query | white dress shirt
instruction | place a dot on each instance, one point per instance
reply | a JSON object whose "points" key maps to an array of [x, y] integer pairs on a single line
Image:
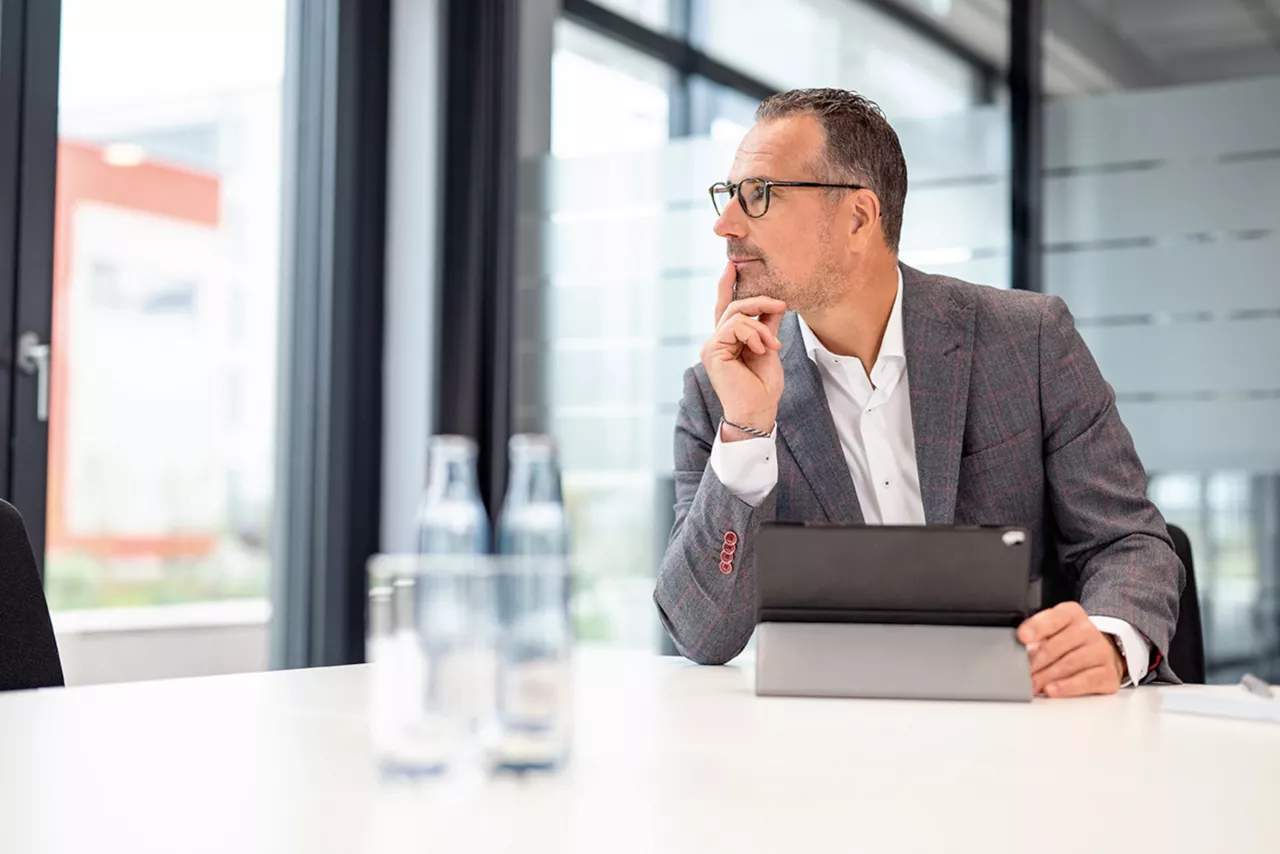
{"points": [[872, 415]]}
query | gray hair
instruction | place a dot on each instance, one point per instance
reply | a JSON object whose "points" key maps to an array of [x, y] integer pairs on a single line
{"points": [[861, 147]]}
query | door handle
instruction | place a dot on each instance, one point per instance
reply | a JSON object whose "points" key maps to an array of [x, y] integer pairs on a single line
{"points": [[33, 359]]}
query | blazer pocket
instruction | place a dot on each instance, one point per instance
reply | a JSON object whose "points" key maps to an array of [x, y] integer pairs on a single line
{"points": [[1001, 454]]}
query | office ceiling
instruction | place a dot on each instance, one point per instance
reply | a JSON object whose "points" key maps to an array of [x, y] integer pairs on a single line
{"points": [[1098, 45], [1194, 40]]}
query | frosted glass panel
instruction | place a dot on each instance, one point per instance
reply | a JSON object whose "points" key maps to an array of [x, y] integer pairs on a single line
{"points": [[1170, 276], [1210, 121], [1173, 200], [1195, 358], [1180, 435], [1166, 246]]}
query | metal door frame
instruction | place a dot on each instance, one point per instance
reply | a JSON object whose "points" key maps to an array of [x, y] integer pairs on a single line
{"points": [[29, 56]]}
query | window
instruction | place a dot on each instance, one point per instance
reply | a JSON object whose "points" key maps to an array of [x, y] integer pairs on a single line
{"points": [[728, 114], [163, 394], [807, 43], [607, 98], [661, 15]]}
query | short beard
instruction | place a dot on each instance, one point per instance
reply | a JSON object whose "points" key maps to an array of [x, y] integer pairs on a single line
{"points": [[819, 291]]}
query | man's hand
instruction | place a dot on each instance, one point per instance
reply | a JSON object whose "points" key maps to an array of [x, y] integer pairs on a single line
{"points": [[741, 357], [1069, 656]]}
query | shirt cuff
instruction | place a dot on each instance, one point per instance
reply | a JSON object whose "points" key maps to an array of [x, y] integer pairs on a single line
{"points": [[748, 469], [1137, 650]]}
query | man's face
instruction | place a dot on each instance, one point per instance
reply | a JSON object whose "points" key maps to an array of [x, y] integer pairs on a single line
{"points": [[789, 253]]}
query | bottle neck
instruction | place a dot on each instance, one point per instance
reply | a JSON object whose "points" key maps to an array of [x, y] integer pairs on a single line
{"points": [[451, 475], [533, 479]]}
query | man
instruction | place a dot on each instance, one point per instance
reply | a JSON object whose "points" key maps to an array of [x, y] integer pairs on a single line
{"points": [[841, 385]]}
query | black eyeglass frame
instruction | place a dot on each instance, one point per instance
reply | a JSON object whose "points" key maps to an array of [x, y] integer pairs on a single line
{"points": [[732, 190]]}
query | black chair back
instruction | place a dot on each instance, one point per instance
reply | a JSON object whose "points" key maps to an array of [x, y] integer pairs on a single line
{"points": [[1186, 650], [28, 650]]}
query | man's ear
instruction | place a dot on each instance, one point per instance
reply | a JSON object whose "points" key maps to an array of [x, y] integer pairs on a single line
{"points": [[865, 215]]}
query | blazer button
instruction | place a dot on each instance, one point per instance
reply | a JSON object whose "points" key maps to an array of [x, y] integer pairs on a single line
{"points": [[730, 538], [726, 566], [726, 555]]}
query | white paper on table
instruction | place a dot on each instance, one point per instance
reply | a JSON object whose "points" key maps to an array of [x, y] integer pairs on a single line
{"points": [[1240, 704]]}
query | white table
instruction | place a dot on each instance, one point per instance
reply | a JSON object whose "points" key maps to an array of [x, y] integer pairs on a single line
{"points": [[668, 757]]}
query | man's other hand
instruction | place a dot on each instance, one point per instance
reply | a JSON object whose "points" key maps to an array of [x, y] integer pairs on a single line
{"points": [[1069, 656]]}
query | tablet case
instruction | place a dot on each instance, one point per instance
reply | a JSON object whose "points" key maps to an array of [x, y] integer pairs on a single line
{"points": [[906, 612]]}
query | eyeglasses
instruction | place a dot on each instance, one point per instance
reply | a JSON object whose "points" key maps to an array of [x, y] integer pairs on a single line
{"points": [[754, 193]]}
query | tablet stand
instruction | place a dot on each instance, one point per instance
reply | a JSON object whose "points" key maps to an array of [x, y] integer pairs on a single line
{"points": [[891, 661]]}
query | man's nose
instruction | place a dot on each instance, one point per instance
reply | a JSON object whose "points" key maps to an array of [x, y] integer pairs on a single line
{"points": [[732, 222]]}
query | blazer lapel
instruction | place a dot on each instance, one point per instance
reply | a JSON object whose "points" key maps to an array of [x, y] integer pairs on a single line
{"points": [[938, 330], [804, 421]]}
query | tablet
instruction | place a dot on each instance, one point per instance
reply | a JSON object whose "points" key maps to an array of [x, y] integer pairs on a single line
{"points": [[912, 574]]}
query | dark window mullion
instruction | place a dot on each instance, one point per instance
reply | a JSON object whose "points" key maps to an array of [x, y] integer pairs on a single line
{"points": [[677, 53], [12, 16], [1026, 30], [680, 97], [328, 488], [30, 32]]}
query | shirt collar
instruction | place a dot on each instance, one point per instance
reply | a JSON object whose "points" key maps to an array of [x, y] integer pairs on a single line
{"points": [[893, 345]]}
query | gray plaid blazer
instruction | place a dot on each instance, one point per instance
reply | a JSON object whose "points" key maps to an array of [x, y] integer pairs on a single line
{"points": [[1014, 425]]}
